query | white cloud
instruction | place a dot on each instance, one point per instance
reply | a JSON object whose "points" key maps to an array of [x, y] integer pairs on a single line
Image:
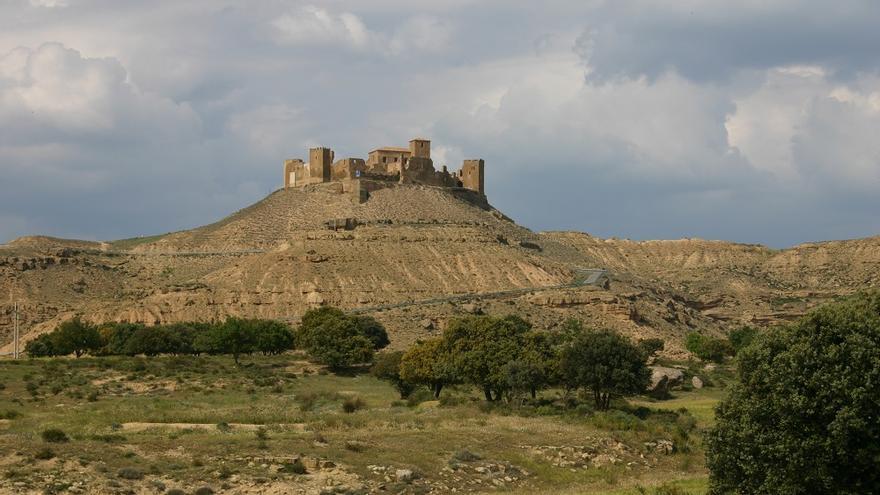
{"points": [[312, 25], [49, 3]]}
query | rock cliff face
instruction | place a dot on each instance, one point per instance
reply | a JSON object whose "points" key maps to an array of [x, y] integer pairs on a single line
{"points": [[301, 248]]}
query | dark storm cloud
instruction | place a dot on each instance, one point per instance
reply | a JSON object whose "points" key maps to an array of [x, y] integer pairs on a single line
{"points": [[753, 121]]}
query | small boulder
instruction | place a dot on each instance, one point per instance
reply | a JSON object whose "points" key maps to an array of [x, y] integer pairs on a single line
{"points": [[664, 379], [696, 382], [427, 324]]}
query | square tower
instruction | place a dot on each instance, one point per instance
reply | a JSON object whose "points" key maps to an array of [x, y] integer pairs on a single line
{"points": [[420, 148], [472, 175], [320, 161]]}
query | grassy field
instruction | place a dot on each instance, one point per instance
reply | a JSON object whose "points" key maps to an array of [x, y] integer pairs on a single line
{"points": [[283, 425]]}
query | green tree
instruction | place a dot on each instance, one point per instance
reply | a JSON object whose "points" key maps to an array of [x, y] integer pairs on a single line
{"points": [[153, 341], [803, 416], [605, 363], [480, 347], [426, 363], [272, 337], [332, 338], [42, 346], [386, 366], [740, 338], [708, 348], [77, 337], [234, 336], [370, 328]]}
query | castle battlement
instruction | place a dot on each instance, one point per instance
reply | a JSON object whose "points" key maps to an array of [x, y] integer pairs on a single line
{"points": [[392, 164]]}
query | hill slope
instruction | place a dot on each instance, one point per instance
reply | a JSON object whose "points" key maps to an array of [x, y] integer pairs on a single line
{"points": [[277, 258]]}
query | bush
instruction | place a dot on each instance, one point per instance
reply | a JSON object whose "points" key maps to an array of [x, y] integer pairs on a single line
{"points": [[295, 467], [130, 473], [802, 415], [54, 435], [708, 348], [387, 367], [44, 454], [352, 404], [650, 347], [370, 328], [42, 346], [740, 338], [606, 364]]}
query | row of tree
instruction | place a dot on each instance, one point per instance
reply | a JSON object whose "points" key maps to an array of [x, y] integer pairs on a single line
{"points": [[505, 358], [327, 334]]}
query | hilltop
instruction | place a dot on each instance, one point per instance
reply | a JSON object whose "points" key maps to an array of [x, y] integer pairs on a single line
{"points": [[301, 247]]}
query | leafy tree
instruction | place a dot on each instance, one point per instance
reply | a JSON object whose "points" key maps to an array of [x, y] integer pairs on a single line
{"points": [[426, 363], [153, 341], [708, 348], [605, 363], [387, 367], [802, 416], [234, 336], [332, 338], [77, 337], [536, 365], [116, 336], [272, 337], [480, 347], [42, 346], [370, 328], [741, 337]]}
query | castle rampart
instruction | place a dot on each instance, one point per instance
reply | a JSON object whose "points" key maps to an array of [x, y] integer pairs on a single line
{"points": [[412, 165]]}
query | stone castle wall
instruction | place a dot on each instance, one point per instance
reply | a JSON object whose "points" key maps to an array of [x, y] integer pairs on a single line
{"points": [[412, 165]]}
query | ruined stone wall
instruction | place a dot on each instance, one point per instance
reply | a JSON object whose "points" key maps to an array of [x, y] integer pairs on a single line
{"points": [[388, 161], [348, 168], [294, 172], [472, 175]]}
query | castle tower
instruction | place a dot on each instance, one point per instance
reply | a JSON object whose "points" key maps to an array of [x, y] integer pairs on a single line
{"points": [[320, 161], [293, 170], [419, 148], [472, 175]]}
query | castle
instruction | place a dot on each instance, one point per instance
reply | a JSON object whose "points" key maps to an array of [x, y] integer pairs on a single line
{"points": [[384, 166]]}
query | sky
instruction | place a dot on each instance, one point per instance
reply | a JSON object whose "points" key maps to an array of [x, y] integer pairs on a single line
{"points": [[754, 121]]}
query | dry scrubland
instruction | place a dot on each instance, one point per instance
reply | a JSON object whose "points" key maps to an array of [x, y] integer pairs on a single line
{"points": [[283, 425]]}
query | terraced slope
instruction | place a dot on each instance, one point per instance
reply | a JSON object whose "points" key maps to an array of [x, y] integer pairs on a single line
{"points": [[277, 258]]}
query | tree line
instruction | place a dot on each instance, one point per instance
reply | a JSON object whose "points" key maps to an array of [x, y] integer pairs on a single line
{"points": [[327, 334], [506, 358]]}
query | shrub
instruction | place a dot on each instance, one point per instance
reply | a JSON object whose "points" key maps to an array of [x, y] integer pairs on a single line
{"points": [[708, 348], [295, 467], [54, 435], [356, 445], [741, 337], [44, 454], [352, 404], [205, 490], [606, 364], [130, 473], [650, 347], [271, 337], [42, 346], [802, 414]]}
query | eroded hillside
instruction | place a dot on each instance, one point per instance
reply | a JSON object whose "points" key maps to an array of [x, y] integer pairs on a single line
{"points": [[300, 248]]}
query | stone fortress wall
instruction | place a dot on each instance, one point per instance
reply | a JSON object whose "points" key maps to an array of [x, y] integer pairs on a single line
{"points": [[382, 168]]}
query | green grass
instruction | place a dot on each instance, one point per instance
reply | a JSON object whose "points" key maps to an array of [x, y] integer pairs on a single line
{"points": [[96, 401]]}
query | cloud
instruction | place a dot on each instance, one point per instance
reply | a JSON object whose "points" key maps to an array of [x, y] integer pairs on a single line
{"points": [[638, 118], [312, 25], [713, 39]]}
